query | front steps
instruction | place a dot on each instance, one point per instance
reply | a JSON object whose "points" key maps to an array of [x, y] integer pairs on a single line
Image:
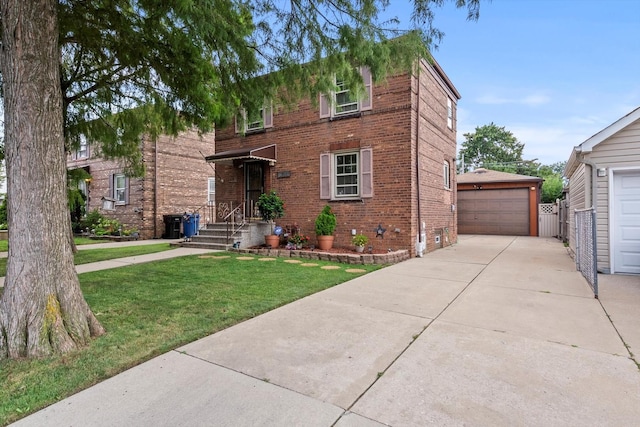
{"points": [[214, 236]]}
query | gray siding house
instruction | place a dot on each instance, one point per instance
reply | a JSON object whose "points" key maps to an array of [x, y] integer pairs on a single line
{"points": [[604, 172]]}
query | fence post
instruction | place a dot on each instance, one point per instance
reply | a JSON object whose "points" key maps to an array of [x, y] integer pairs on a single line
{"points": [[586, 250]]}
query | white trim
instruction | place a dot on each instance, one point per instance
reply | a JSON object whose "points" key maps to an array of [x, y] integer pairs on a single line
{"points": [[588, 145], [357, 174], [610, 194]]}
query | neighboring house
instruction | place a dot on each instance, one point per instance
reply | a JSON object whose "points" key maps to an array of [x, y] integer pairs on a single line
{"points": [[493, 202], [177, 179], [383, 161], [604, 172]]}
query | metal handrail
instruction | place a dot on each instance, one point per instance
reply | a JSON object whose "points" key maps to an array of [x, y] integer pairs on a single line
{"points": [[230, 220], [211, 206]]}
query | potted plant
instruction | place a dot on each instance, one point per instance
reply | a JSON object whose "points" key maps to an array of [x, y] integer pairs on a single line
{"points": [[360, 240], [271, 207], [298, 240], [325, 226]]}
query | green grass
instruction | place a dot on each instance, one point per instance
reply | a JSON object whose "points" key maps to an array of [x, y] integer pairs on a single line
{"points": [[148, 309], [95, 255], [4, 244], [87, 241]]}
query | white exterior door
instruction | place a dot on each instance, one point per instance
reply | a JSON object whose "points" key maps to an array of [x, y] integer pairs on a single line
{"points": [[625, 225]]}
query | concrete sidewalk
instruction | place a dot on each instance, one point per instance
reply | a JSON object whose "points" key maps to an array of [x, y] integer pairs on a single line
{"points": [[491, 331], [107, 245], [138, 259]]}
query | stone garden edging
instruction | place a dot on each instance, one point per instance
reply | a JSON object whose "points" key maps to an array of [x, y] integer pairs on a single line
{"points": [[344, 258]]}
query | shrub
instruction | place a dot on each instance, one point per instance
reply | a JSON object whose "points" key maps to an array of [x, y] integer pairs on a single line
{"points": [[326, 222], [271, 206], [360, 240], [92, 219]]}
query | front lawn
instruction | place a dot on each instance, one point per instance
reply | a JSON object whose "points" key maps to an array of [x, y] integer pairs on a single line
{"points": [[148, 309]]}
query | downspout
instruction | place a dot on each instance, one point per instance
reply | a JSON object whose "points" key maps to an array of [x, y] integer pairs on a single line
{"points": [[420, 237], [594, 171]]}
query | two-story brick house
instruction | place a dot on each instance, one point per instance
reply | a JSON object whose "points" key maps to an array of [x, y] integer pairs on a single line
{"points": [[386, 160], [177, 179]]}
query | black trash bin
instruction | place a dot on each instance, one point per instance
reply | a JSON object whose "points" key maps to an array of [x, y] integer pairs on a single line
{"points": [[172, 226]]}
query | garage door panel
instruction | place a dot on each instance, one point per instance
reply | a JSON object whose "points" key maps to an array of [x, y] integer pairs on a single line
{"points": [[626, 222], [500, 211]]}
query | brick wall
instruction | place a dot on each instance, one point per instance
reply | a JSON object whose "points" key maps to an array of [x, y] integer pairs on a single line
{"points": [[175, 181], [390, 131]]}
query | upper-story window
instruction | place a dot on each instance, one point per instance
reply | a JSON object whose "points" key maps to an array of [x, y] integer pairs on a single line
{"points": [[449, 113], [83, 149], [346, 102], [343, 102], [253, 121]]}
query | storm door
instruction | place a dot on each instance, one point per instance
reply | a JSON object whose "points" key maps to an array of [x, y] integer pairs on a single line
{"points": [[254, 187]]}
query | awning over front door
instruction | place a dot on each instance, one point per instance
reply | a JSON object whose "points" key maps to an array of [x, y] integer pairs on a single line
{"points": [[267, 154]]}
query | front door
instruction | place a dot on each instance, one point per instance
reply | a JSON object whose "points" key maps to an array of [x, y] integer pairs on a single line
{"points": [[254, 187]]}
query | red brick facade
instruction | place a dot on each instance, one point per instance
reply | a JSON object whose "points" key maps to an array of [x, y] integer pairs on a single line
{"points": [[175, 181], [401, 152]]}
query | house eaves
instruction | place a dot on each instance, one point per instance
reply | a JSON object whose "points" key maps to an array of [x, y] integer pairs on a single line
{"points": [[588, 145]]}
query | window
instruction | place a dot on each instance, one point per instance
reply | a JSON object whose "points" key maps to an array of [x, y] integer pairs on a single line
{"points": [[446, 175], [254, 121], [120, 189], [83, 149], [449, 113], [345, 101], [211, 194], [342, 102], [346, 175]]}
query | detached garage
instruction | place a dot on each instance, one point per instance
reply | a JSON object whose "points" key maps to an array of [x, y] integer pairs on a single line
{"points": [[604, 173], [492, 202]]}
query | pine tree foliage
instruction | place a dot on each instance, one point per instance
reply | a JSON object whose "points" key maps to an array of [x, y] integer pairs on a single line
{"points": [[117, 71], [134, 68]]}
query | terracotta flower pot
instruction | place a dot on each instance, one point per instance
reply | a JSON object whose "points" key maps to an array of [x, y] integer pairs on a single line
{"points": [[325, 242], [272, 240]]}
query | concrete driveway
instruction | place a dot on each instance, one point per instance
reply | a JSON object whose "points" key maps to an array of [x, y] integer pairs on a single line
{"points": [[491, 331]]}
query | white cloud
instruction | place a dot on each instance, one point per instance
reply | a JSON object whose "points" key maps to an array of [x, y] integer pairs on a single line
{"points": [[492, 100], [531, 100], [535, 100]]}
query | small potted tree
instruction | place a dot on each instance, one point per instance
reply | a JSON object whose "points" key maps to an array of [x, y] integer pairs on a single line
{"points": [[271, 207], [360, 240], [325, 226]]}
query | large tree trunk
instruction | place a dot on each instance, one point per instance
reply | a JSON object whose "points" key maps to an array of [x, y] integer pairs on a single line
{"points": [[42, 310]]}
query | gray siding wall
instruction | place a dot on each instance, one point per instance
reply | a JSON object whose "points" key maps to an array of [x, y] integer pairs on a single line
{"points": [[621, 150], [577, 187]]}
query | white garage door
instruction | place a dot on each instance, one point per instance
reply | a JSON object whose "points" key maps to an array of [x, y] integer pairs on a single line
{"points": [[626, 222]]}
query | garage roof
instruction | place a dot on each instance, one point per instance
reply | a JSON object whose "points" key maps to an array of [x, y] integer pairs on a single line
{"points": [[482, 175]]}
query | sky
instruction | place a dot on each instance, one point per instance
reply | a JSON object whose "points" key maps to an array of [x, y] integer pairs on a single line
{"points": [[552, 72]]}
